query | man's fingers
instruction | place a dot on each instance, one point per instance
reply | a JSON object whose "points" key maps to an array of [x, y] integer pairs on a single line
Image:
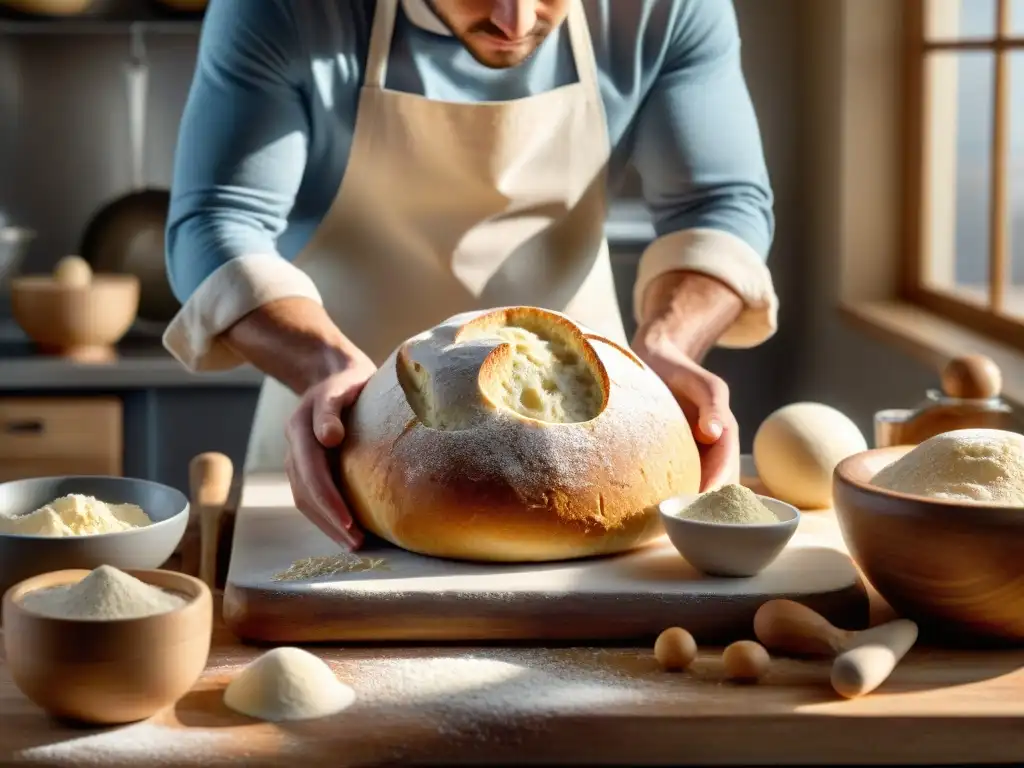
{"points": [[323, 494], [329, 401], [720, 461], [710, 395], [313, 486], [326, 415]]}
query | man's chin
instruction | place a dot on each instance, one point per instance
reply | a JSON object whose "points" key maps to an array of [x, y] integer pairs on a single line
{"points": [[495, 57]]}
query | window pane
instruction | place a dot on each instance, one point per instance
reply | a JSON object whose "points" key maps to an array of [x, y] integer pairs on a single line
{"points": [[1017, 17], [960, 19], [957, 168], [1013, 300]]}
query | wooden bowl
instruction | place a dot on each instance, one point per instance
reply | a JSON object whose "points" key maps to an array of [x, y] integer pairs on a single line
{"points": [[48, 7], [22, 557], [185, 6], [82, 322], [108, 672], [955, 568]]}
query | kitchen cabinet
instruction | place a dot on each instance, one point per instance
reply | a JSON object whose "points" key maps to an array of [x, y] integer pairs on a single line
{"points": [[60, 436], [146, 433]]}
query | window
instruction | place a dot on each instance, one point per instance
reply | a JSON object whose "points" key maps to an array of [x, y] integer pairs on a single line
{"points": [[965, 155]]}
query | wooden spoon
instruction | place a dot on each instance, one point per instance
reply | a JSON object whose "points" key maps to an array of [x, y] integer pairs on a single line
{"points": [[862, 660], [210, 476]]}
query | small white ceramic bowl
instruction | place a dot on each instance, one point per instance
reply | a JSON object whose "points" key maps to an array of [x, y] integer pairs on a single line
{"points": [[729, 549]]}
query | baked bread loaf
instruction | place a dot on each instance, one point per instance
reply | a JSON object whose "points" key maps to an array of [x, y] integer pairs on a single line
{"points": [[515, 435]]}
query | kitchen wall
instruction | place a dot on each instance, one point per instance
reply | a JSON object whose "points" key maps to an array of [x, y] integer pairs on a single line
{"points": [[843, 213], [63, 151]]}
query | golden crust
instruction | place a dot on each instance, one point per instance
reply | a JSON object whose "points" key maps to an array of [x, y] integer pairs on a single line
{"points": [[502, 487]]}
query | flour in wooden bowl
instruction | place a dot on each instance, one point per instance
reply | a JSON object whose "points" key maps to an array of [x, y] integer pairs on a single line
{"points": [[105, 594], [972, 465]]}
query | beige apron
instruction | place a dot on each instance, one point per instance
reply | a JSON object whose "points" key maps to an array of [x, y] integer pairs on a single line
{"points": [[448, 207]]}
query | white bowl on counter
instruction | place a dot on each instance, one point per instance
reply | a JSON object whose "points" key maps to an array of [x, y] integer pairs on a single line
{"points": [[729, 549]]}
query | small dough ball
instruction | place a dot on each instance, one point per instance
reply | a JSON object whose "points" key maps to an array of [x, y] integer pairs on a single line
{"points": [[745, 661], [73, 272], [675, 649], [796, 450], [287, 684]]}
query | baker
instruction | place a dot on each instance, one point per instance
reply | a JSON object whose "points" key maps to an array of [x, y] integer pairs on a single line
{"points": [[351, 172]]}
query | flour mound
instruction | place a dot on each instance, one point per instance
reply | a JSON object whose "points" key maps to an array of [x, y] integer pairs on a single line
{"points": [[287, 684], [731, 504], [974, 465], [106, 593], [75, 515]]}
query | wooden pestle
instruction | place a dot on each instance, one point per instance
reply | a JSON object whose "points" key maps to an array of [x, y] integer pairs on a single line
{"points": [[862, 660], [210, 476]]}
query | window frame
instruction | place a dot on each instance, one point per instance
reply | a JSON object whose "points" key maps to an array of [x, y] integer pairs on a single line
{"points": [[992, 321]]}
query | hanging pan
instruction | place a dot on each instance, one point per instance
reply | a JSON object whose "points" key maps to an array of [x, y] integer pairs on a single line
{"points": [[127, 234]]}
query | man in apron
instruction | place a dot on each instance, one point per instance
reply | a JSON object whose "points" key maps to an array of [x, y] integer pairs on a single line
{"points": [[352, 172]]}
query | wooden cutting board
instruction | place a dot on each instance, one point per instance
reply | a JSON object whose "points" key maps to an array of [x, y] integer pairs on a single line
{"points": [[421, 599]]}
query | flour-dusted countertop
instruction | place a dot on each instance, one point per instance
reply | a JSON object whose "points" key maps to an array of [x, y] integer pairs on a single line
{"points": [[572, 706]]}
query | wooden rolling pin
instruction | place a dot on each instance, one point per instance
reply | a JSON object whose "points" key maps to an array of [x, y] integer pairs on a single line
{"points": [[862, 660], [210, 476]]}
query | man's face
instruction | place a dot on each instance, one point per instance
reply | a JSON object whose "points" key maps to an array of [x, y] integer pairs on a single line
{"points": [[501, 33]]}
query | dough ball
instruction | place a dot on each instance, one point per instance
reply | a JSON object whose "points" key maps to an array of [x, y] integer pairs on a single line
{"points": [[73, 272], [974, 465], [675, 649], [797, 448], [287, 684], [745, 661]]}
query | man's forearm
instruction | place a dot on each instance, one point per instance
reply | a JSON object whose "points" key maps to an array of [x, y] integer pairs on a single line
{"points": [[292, 340], [691, 309]]}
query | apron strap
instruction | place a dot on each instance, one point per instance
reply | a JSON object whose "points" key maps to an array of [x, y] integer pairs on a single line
{"points": [[380, 44], [582, 47]]}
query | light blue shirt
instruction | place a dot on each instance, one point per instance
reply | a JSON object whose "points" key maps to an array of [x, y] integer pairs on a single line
{"points": [[267, 130]]}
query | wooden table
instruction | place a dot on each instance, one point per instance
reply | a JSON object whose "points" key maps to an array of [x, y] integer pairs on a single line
{"points": [[564, 706]]}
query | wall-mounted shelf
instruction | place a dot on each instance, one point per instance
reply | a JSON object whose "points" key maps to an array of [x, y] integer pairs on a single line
{"points": [[188, 26], [107, 17]]}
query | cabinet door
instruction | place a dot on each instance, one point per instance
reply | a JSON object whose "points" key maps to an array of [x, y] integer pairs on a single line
{"points": [[60, 436]]}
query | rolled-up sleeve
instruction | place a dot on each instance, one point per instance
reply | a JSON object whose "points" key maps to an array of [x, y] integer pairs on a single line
{"points": [[240, 159], [700, 158]]}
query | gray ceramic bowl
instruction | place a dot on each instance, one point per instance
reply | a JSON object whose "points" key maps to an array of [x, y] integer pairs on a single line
{"points": [[22, 557], [725, 549]]}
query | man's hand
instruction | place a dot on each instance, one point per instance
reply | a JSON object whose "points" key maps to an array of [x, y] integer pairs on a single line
{"points": [[313, 432], [684, 315], [294, 341], [704, 399]]}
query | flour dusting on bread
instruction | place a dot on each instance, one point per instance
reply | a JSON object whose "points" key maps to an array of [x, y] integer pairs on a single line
{"points": [[449, 454]]}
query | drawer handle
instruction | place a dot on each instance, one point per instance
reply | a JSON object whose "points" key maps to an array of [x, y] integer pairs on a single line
{"points": [[25, 427]]}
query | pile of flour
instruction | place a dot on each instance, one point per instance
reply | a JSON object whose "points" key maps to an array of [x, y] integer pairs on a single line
{"points": [[106, 593], [75, 515], [974, 465]]}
